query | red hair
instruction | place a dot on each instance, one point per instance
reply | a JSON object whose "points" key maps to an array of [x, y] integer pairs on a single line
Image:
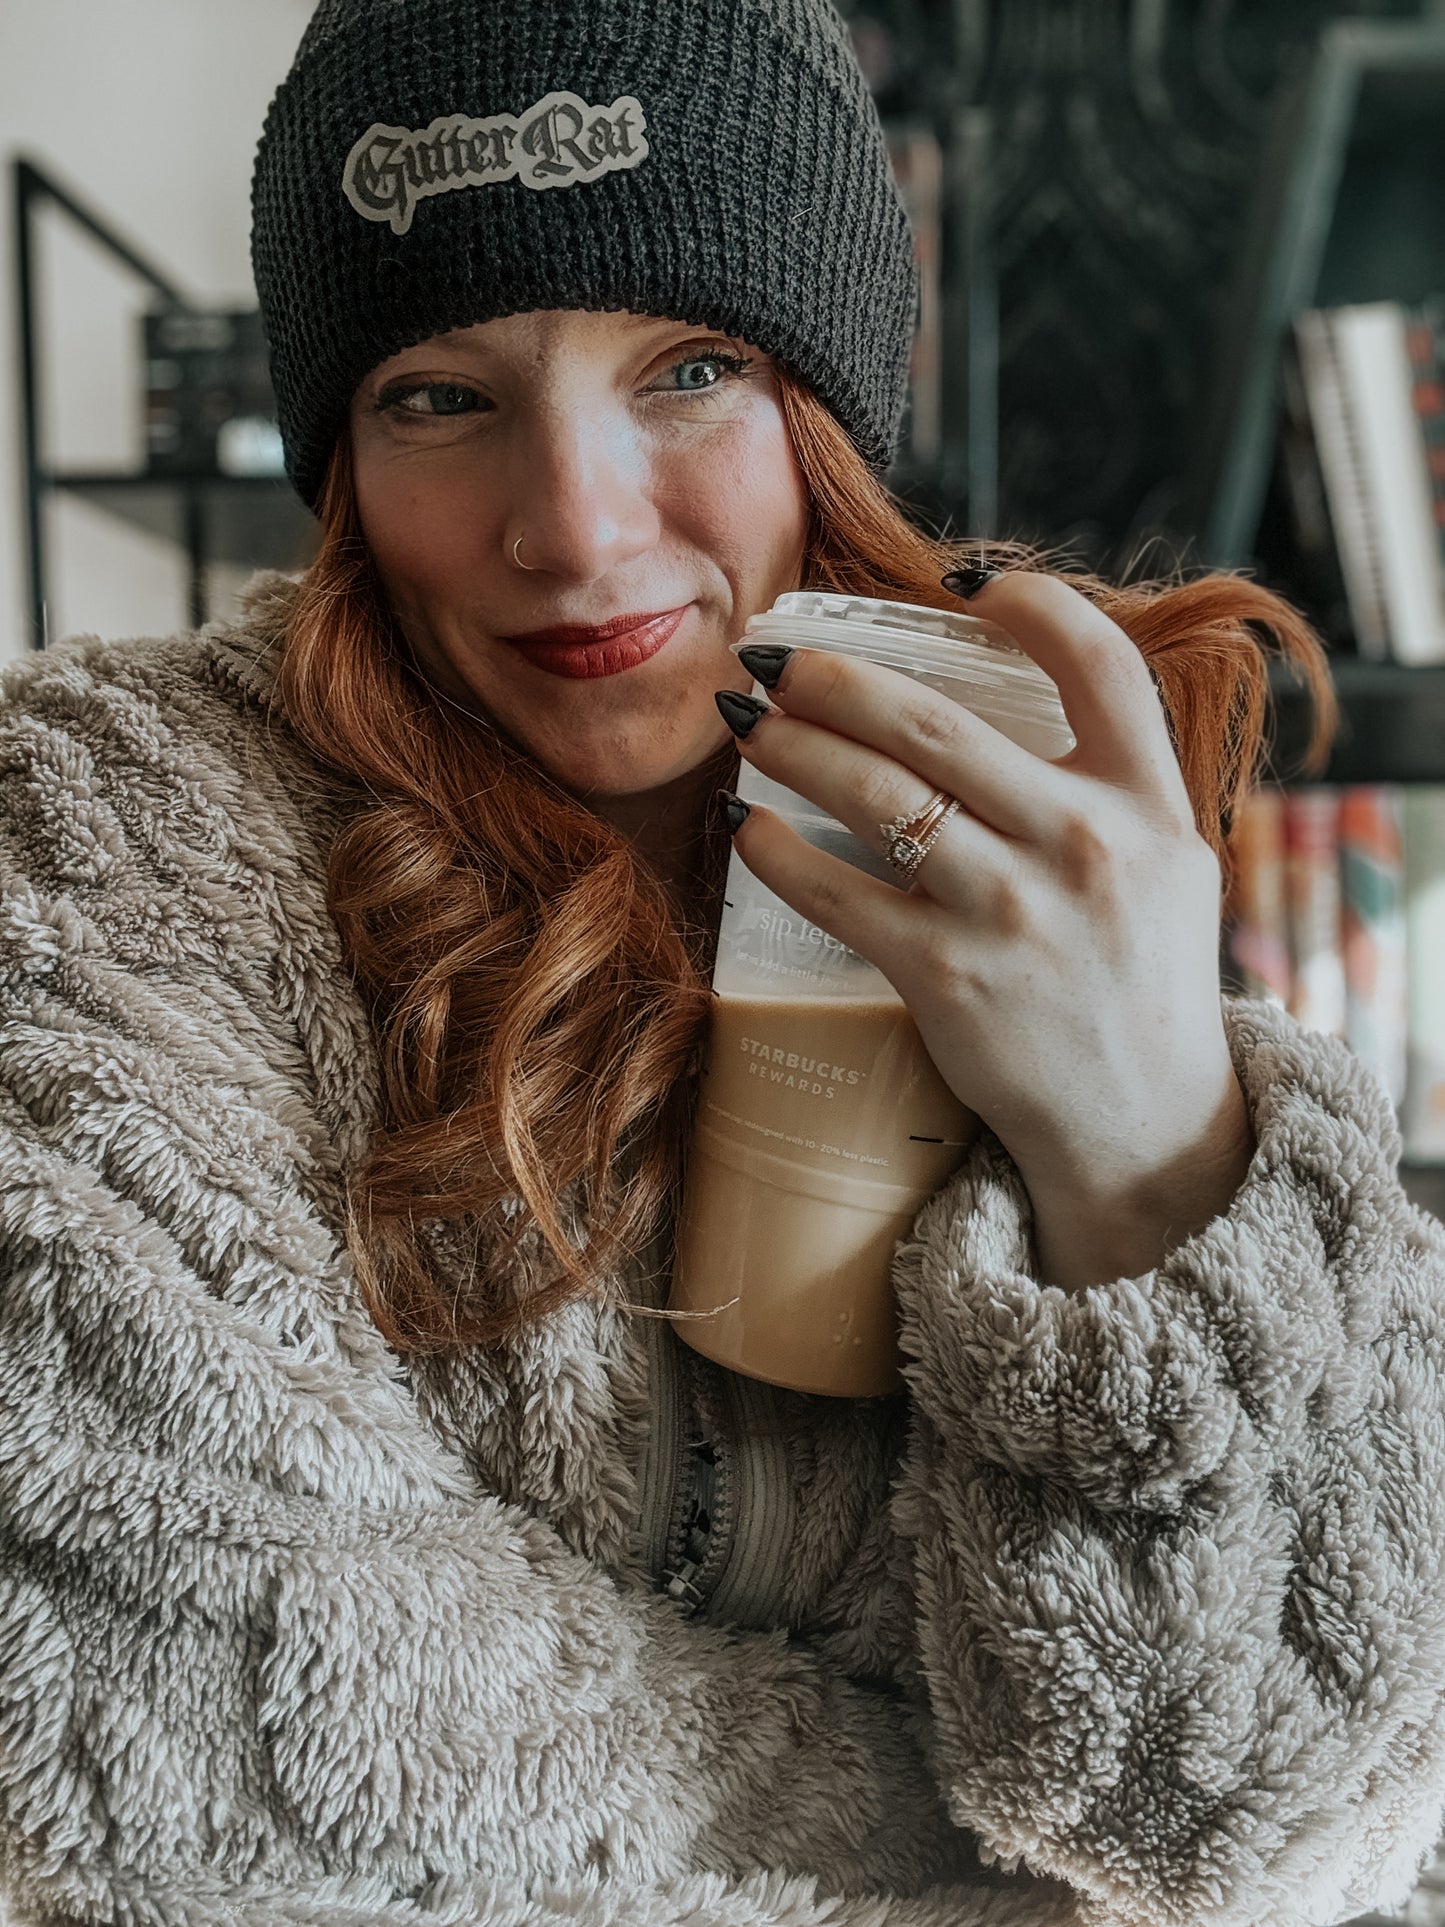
{"points": [[538, 1009]]}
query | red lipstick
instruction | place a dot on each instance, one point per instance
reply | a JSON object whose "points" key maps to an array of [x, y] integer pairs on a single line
{"points": [[601, 649]]}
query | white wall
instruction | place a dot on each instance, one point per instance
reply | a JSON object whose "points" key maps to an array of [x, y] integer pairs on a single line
{"points": [[149, 110]]}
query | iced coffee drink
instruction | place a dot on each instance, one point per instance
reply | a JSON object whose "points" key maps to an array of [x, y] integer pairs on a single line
{"points": [[822, 1124]]}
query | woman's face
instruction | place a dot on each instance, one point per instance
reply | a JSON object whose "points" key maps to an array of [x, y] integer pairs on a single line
{"points": [[645, 472]]}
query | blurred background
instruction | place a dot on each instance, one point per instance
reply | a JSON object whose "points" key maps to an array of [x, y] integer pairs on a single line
{"points": [[1183, 270]]}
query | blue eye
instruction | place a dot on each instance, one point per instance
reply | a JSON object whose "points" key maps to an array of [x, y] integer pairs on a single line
{"points": [[732, 364], [434, 398]]}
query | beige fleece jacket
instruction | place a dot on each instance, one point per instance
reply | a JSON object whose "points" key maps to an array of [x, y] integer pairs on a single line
{"points": [[1129, 1611]]}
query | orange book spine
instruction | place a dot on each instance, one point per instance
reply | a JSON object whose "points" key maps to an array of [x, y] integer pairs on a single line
{"points": [[1258, 925], [1372, 883]]}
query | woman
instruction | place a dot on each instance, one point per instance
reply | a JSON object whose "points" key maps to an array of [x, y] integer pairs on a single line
{"points": [[372, 1551]]}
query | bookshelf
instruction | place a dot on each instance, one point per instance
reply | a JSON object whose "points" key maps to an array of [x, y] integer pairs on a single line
{"points": [[1337, 202], [1392, 725], [1347, 208], [249, 521], [1346, 211]]}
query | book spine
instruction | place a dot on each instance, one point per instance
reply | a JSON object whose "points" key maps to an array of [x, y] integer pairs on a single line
{"points": [[1341, 459], [1256, 915], [1425, 336], [1423, 1118], [1372, 904], [1375, 359], [1312, 893]]}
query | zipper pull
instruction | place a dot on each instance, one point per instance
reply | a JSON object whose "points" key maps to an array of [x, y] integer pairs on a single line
{"points": [[678, 1581], [678, 1584]]}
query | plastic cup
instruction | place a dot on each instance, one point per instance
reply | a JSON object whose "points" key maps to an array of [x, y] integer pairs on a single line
{"points": [[822, 1124]]}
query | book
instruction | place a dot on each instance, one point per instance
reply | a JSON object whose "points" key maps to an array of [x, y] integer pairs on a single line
{"points": [[1336, 910], [1256, 913], [1425, 341], [1356, 365], [1312, 895], [1352, 516], [1372, 935], [1298, 551], [1423, 1115]]}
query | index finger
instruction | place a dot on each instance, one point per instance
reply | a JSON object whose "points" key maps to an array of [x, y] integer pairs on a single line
{"points": [[1103, 681]]}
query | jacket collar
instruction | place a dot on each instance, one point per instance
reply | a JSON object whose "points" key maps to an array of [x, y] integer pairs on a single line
{"points": [[247, 652]]}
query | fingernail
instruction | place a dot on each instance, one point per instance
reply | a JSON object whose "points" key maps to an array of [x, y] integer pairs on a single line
{"points": [[968, 582], [765, 660], [740, 713], [735, 809]]}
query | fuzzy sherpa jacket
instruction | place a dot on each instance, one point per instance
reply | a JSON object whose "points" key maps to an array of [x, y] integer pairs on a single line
{"points": [[1129, 1610]]}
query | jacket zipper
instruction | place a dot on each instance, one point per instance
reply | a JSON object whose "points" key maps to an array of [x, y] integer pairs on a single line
{"points": [[680, 1580]]}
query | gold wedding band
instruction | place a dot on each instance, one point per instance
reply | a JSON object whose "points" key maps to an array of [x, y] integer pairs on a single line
{"points": [[908, 839]]}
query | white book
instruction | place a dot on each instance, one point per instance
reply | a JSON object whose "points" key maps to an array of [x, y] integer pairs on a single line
{"points": [[1422, 1119], [1374, 360], [1353, 514]]}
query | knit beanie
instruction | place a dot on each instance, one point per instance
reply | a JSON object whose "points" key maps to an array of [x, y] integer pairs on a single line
{"points": [[428, 164]]}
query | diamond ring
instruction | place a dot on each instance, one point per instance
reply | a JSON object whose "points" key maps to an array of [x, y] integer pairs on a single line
{"points": [[908, 839]]}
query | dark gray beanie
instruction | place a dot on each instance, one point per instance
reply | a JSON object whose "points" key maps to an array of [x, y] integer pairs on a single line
{"points": [[432, 163]]}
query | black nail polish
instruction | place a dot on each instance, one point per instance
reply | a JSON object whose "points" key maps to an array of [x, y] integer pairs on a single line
{"points": [[968, 582], [739, 712], [735, 809], [765, 660]]}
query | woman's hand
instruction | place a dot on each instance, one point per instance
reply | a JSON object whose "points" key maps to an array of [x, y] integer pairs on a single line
{"points": [[1058, 949]]}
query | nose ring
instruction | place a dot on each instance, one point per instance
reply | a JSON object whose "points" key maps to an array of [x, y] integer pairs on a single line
{"points": [[518, 560]]}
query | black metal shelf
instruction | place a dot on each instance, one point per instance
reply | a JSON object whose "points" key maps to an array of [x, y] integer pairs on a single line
{"points": [[247, 521], [1392, 724], [1346, 208], [238, 519]]}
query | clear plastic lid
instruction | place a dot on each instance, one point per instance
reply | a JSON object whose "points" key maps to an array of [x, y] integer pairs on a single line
{"points": [[975, 662]]}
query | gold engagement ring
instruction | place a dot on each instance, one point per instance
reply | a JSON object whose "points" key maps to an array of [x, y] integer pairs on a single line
{"points": [[908, 839]]}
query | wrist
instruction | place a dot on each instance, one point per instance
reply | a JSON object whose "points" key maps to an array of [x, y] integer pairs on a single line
{"points": [[1120, 1216]]}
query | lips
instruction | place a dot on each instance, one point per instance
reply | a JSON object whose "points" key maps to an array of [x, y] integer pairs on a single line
{"points": [[592, 632], [603, 649]]}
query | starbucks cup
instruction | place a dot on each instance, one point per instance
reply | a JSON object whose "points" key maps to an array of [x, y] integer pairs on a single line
{"points": [[822, 1124]]}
